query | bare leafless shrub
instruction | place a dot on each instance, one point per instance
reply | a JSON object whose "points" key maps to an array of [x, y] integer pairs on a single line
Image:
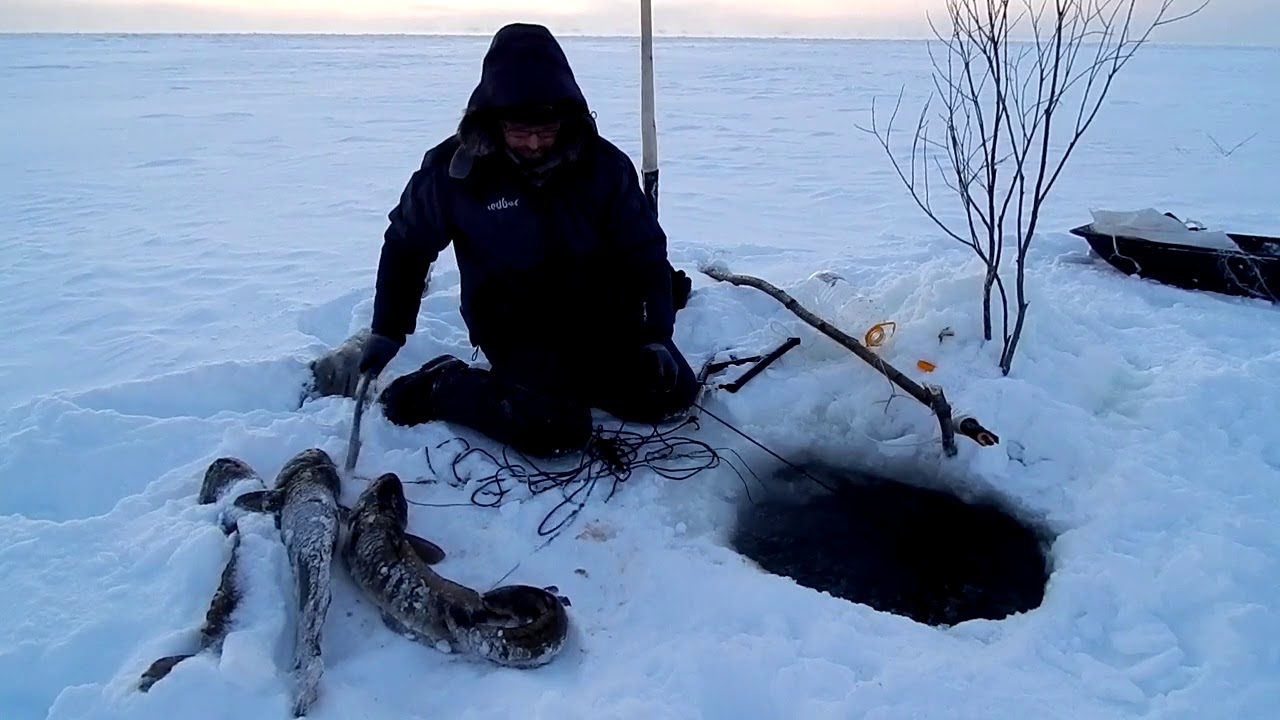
{"points": [[1002, 99]]}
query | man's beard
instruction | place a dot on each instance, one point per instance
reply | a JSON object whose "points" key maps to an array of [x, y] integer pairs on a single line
{"points": [[532, 157]]}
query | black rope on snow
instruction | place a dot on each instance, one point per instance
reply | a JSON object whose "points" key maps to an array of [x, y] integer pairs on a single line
{"points": [[615, 454], [755, 442]]}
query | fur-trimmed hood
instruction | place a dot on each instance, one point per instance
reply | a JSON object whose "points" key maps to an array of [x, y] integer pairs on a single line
{"points": [[524, 66]]}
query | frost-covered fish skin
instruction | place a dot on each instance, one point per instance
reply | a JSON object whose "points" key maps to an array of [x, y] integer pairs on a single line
{"points": [[305, 504], [222, 475], [514, 626]]}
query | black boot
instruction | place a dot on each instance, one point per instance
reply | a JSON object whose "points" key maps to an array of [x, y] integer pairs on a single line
{"points": [[447, 389], [408, 400]]}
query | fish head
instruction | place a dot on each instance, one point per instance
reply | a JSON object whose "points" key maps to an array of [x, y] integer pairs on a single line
{"points": [[305, 463], [385, 498], [221, 475]]}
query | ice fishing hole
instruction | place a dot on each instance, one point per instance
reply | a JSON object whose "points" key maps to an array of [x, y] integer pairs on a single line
{"points": [[894, 546]]}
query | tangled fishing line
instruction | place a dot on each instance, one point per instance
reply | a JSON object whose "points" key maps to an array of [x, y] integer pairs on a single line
{"points": [[615, 454], [609, 455]]}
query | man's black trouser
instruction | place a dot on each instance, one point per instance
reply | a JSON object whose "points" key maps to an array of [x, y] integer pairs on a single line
{"points": [[539, 402]]}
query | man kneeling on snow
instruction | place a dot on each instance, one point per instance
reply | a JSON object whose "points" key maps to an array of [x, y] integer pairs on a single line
{"points": [[566, 285]]}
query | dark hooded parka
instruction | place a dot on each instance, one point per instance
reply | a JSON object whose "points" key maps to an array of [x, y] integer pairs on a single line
{"points": [[562, 255]]}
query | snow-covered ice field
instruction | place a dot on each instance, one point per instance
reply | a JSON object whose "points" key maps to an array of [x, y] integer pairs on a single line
{"points": [[185, 221]]}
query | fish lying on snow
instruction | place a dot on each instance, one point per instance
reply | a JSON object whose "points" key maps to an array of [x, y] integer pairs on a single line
{"points": [[305, 504], [222, 476], [515, 626]]}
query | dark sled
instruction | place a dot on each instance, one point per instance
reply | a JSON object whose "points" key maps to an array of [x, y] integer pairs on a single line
{"points": [[1251, 271]]}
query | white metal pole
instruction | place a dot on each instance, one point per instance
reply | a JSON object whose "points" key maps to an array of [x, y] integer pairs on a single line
{"points": [[648, 124]]}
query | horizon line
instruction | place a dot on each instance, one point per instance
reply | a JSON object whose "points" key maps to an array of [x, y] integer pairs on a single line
{"points": [[586, 35]]}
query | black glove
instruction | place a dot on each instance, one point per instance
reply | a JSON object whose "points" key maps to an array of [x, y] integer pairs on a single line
{"points": [[681, 288], [662, 365], [378, 351]]}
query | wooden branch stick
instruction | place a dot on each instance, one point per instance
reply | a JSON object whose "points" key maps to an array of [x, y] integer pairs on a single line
{"points": [[931, 397]]}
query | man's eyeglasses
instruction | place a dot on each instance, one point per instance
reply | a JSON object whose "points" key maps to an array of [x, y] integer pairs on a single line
{"points": [[521, 132]]}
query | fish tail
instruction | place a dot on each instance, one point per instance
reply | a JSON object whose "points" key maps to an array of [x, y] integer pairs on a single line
{"points": [[217, 622], [306, 679], [314, 597], [159, 669]]}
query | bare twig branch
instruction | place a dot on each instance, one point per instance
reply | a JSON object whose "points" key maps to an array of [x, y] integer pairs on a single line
{"points": [[1228, 153]]}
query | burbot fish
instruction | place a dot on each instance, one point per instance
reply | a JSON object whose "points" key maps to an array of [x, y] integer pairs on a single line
{"points": [[515, 626], [222, 477], [305, 504]]}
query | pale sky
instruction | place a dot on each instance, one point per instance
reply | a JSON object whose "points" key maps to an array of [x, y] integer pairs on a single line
{"points": [[1246, 22]]}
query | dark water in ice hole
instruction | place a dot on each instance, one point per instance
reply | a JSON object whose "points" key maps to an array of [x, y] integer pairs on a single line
{"points": [[899, 548]]}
